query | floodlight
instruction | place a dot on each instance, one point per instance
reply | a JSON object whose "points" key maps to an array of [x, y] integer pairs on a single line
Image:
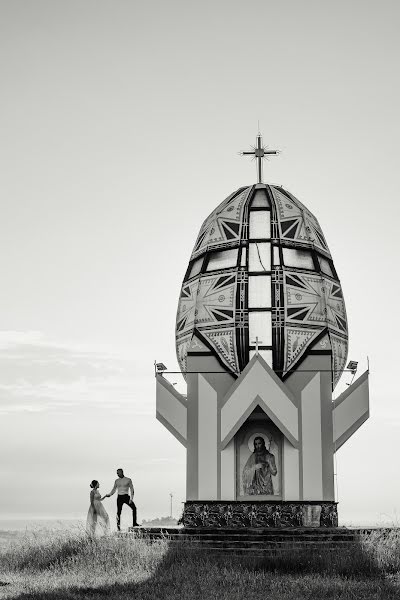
{"points": [[352, 366], [160, 367]]}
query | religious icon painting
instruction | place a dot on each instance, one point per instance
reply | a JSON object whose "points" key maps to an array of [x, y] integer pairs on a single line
{"points": [[258, 460]]}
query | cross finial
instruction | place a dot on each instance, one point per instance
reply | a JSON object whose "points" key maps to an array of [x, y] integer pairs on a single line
{"points": [[256, 342], [259, 152]]}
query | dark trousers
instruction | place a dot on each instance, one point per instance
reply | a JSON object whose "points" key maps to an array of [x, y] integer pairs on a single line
{"points": [[121, 500]]}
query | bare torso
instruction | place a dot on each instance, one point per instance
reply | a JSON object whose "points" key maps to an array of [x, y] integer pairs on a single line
{"points": [[123, 485]]}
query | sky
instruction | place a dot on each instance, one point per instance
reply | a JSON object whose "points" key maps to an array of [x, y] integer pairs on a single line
{"points": [[121, 123]]}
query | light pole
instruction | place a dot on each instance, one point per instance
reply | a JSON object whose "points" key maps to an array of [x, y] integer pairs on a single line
{"points": [[171, 496]]}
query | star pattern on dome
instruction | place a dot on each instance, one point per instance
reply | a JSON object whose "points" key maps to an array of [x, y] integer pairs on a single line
{"points": [[314, 303], [205, 303], [297, 223], [223, 226], [215, 299], [314, 300], [187, 306]]}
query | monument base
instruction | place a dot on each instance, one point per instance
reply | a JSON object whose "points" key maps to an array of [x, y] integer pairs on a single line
{"points": [[237, 513]]}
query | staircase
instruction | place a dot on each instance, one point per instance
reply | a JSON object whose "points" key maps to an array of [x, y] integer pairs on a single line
{"points": [[257, 542]]}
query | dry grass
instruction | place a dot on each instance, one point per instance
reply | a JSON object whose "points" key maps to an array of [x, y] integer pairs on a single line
{"points": [[73, 566], [383, 547]]}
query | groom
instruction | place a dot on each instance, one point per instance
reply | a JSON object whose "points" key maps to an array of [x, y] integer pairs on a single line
{"points": [[124, 485]]}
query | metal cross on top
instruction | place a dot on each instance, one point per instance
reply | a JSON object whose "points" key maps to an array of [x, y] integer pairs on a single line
{"points": [[259, 152]]}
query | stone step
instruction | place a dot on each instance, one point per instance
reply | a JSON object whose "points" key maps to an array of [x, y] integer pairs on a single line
{"points": [[275, 536], [290, 531], [252, 554], [245, 531], [268, 552], [234, 535], [265, 542], [262, 549], [253, 542], [262, 545]]}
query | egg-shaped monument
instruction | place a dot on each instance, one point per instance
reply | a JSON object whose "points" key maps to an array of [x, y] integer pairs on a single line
{"points": [[261, 338], [261, 271]]}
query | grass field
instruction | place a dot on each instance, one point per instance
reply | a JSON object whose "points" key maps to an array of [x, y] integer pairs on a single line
{"points": [[69, 565]]}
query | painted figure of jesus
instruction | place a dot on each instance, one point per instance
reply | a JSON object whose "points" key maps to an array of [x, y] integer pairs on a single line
{"points": [[258, 470]]}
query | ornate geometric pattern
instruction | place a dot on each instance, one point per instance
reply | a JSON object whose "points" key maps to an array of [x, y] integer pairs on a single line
{"points": [[314, 300], [182, 347], [223, 341], [305, 302], [339, 356], [187, 306], [260, 514], [297, 223], [223, 226], [205, 303], [297, 341], [242, 319], [207, 300]]}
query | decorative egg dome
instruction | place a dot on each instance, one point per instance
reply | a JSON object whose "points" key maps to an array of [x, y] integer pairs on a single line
{"points": [[261, 277]]}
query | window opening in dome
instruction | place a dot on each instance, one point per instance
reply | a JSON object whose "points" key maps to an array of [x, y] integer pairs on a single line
{"points": [[276, 255], [243, 257], [260, 326], [196, 267], [260, 291], [222, 260], [300, 259], [260, 199], [260, 224], [325, 266], [259, 256]]}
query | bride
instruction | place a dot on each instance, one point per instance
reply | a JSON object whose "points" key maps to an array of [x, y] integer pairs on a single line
{"points": [[97, 519]]}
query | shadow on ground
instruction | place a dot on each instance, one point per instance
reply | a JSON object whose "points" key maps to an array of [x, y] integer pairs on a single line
{"points": [[187, 574]]}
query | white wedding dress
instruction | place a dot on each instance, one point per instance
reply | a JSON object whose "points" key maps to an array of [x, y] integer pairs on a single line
{"points": [[98, 522]]}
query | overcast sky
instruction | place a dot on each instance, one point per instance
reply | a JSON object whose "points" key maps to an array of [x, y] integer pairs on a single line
{"points": [[121, 123]]}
